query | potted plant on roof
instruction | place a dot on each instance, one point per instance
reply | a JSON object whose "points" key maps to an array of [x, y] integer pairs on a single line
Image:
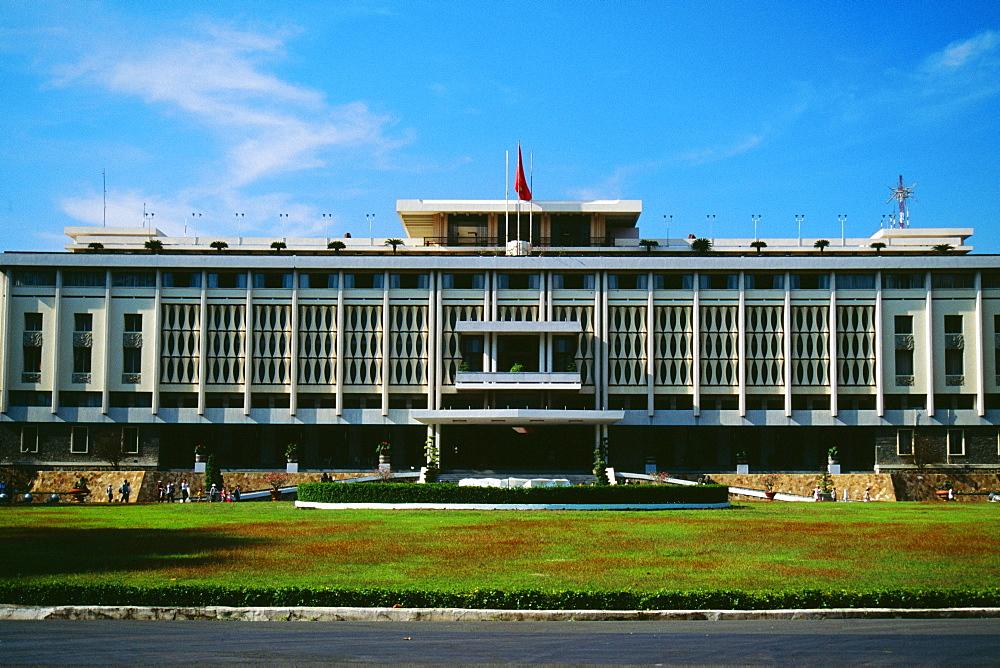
{"points": [[275, 480]]}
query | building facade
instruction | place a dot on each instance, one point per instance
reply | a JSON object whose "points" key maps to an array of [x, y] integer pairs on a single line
{"points": [[511, 341]]}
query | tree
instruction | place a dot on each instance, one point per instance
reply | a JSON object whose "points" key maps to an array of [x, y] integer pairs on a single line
{"points": [[649, 244], [212, 473], [219, 245], [944, 249], [336, 245], [393, 243], [154, 246], [110, 447], [821, 244], [878, 246], [924, 451], [701, 245], [758, 245], [278, 246], [95, 246]]}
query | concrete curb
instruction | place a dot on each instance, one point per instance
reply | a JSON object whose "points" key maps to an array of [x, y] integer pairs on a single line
{"points": [[307, 614], [509, 506]]}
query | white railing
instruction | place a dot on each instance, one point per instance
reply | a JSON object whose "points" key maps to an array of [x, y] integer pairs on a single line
{"points": [[517, 380]]}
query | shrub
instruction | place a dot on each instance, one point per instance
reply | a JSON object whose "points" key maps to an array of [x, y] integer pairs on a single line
{"points": [[321, 492]]}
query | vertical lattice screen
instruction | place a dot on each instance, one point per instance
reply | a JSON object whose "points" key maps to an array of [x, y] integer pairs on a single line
{"points": [[672, 345], [764, 341], [226, 335], [181, 334], [856, 345], [363, 345], [517, 313], [408, 345], [317, 344], [450, 352], [272, 338], [627, 345], [585, 340], [718, 345], [810, 345]]}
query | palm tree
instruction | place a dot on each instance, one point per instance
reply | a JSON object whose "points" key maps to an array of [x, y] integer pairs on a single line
{"points": [[944, 249], [649, 244], [393, 243], [219, 245], [821, 244], [758, 245], [95, 246], [278, 246], [154, 246], [878, 246], [701, 245], [336, 246]]}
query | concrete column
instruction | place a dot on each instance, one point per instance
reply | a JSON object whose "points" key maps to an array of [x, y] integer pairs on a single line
{"points": [[834, 355], [293, 396], [650, 348], [741, 348], [6, 338], [338, 385], [787, 345], [879, 348], [157, 340], [202, 342], [929, 342], [248, 345], [439, 350], [605, 333], [105, 386], [433, 336], [978, 347], [598, 319], [696, 346], [385, 344], [54, 347]]}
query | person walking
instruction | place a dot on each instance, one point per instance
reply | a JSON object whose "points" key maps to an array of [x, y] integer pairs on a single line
{"points": [[185, 491], [237, 492], [868, 493], [111, 493], [125, 490], [213, 493]]}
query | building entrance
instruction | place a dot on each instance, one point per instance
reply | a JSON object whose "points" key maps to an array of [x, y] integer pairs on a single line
{"points": [[567, 448]]}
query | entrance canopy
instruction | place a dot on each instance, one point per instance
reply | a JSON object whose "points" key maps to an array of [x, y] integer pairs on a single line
{"points": [[516, 417]]}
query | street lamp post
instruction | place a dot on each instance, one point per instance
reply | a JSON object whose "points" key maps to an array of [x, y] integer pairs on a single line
{"points": [[843, 237], [327, 218], [239, 225], [668, 219], [711, 226], [283, 218], [799, 217], [755, 217], [371, 236]]}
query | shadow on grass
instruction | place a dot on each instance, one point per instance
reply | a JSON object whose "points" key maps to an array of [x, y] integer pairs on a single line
{"points": [[40, 551]]}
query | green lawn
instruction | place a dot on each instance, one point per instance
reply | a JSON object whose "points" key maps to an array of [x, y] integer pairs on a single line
{"points": [[755, 547]]}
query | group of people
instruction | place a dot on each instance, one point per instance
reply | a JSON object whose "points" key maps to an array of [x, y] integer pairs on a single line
{"points": [[817, 491], [167, 493], [124, 492], [215, 494]]}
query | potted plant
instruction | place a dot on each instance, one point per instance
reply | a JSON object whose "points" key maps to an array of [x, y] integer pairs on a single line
{"points": [[768, 482], [600, 468], [199, 451], [383, 450], [742, 462], [292, 452], [832, 456], [825, 486], [275, 480], [517, 367], [433, 458]]}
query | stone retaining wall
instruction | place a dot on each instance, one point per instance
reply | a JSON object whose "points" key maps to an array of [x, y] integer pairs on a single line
{"points": [[881, 484]]}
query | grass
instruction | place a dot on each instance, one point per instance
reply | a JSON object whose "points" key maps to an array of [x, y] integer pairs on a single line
{"points": [[756, 547]]}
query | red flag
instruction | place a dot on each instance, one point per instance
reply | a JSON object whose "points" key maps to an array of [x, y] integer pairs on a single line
{"points": [[520, 183]]}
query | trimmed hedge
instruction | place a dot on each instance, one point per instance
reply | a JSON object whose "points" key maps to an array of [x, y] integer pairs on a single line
{"points": [[325, 492], [528, 599]]}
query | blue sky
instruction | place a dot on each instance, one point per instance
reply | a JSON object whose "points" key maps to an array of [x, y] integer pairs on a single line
{"points": [[340, 108]]}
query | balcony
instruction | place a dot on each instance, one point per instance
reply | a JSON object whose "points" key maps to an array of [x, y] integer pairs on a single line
{"points": [[518, 380], [518, 326]]}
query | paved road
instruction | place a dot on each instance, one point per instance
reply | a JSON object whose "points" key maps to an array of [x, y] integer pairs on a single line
{"points": [[974, 642]]}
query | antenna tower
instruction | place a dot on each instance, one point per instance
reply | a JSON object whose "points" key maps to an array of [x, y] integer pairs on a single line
{"points": [[902, 193]]}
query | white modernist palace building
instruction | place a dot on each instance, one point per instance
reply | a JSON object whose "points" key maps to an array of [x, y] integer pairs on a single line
{"points": [[513, 355]]}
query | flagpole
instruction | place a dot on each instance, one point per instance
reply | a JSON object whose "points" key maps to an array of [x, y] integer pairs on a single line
{"points": [[518, 200], [531, 230], [506, 198]]}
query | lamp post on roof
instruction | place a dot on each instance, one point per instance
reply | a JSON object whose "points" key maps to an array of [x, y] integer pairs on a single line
{"points": [[755, 217], [283, 218], [843, 219], [327, 218], [239, 225], [371, 236], [711, 226], [799, 217], [668, 219]]}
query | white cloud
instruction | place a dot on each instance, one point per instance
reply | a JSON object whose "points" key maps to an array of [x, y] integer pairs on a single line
{"points": [[714, 153], [266, 126], [962, 53]]}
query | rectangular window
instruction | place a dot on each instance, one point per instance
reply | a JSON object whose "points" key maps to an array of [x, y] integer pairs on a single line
{"points": [[319, 281], [904, 442], [227, 279], [564, 353], [272, 281], [954, 362], [79, 441], [573, 281], [83, 322], [83, 279], [81, 359], [464, 281], [855, 281], [409, 281], [40, 278], [366, 281], [953, 281], [953, 324], [32, 357], [903, 324], [182, 279], [764, 281], [133, 279], [627, 281], [517, 282], [718, 281], [130, 440], [673, 282], [904, 363], [133, 322], [131, 360], [32, 322], [29, 439], [809, 281], [907, 281], [472, 353], [956, 442]]}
